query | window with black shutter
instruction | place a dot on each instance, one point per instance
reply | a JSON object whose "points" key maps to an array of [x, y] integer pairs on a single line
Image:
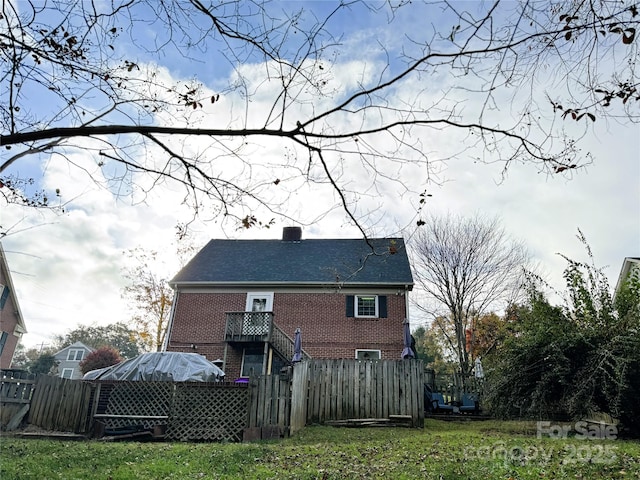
{"points": [[366, 306]]}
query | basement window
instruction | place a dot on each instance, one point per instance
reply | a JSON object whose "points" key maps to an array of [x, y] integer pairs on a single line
{"points": [[367, 354]]}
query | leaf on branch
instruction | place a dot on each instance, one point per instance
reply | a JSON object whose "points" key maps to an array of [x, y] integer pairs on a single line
{"points": [[628, 39], [562, 168], [567, 36], [591, 116]]}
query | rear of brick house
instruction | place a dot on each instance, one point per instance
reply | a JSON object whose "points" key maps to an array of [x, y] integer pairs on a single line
{"points": [[239, 302]]}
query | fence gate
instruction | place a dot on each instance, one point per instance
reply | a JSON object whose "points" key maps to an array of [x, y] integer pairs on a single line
{"points": [[269, 406]]}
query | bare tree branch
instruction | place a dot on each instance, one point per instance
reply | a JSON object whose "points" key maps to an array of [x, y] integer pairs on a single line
{"points": [[523, 81]]}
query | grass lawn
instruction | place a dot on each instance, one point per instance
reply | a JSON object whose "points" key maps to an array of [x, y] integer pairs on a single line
{"points": [[442, 450]]}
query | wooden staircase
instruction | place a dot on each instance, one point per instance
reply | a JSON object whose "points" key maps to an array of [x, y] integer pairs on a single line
{"points": [[253, 327]]}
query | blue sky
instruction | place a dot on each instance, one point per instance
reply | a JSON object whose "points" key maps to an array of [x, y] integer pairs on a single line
{"points": [[67, 267]]}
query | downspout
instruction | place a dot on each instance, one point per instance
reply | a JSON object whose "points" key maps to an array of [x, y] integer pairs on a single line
{"points": [[406, 302], [167, 336]]}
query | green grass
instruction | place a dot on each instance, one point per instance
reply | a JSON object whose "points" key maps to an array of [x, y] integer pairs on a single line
{"points": [[442, 450]]}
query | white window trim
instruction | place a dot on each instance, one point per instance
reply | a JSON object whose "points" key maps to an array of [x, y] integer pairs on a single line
{"points": [[75, 355], [355, 307], [379, 352], [252, 295], [64, 370]]}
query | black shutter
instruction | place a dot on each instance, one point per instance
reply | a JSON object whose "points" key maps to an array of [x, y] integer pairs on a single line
{"points": [[3, 340], [5, 295], [382, 306], [350, 306]]}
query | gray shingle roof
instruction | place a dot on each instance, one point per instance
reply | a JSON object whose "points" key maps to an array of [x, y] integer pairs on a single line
{"points": [[347, 261]]}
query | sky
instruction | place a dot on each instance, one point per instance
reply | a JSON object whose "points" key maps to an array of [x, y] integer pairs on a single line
{"points": [[68, 267]]}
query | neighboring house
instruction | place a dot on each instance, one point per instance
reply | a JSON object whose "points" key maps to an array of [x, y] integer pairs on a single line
{"points": [[67, 360], [240, 301], [630, 266], [11, 322]]}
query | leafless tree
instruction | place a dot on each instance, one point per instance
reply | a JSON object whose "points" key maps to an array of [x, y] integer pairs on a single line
{"points": [[465, 267], [82, 76]]}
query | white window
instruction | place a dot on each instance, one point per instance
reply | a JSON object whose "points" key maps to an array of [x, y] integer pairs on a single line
{"points": [[367, 354], [366, 306], [67, 373], [75, 355], [259, 302]]}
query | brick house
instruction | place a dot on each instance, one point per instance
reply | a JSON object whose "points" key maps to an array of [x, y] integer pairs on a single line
{"points": [[240, 301], [12, 325]]}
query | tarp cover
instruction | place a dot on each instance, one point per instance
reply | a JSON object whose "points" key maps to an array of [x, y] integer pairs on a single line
{"points": [[160, 366]]}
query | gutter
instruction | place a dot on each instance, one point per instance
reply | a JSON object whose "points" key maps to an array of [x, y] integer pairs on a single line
{"points": [[400, 285], [167, 335]]}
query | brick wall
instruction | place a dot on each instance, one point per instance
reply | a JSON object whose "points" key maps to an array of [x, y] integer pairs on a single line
{"points": [[8, 322], [199, 319]]}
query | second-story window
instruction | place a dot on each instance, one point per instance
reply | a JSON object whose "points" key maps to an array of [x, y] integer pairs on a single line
{"points": [[75, 355], [366, 306], [259, 302]]}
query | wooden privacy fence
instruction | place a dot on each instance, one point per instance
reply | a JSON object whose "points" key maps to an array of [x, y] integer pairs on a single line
{"points": [[16, 388], [270, 401], [329, 390], [318, 391], [62, 404], [52, 403]]}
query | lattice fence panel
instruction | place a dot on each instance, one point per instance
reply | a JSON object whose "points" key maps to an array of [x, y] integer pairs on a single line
{"points": [[140, 399], [217, 413], [256, 323]]}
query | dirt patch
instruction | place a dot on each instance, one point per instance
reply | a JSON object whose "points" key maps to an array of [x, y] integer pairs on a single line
{"points": [[33, 431]]}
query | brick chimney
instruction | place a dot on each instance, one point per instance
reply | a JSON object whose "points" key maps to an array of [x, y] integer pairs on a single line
{"points": [[291, 234]]}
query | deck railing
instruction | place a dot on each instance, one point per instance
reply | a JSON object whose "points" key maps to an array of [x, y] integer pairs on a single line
{"points": [[259, 327], [284, 343], [248, 326]]}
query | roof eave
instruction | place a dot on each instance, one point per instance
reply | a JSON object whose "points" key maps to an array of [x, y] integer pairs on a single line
{"points": [[12, 291], [394, 285]]}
